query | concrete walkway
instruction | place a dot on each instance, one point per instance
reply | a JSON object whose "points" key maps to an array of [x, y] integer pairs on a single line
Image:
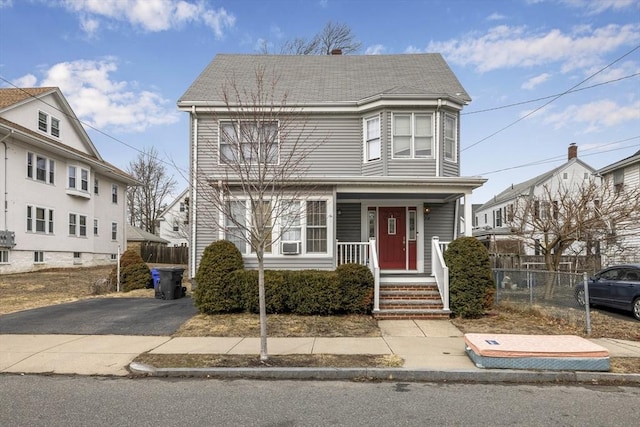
{"points": [[427, 346]]}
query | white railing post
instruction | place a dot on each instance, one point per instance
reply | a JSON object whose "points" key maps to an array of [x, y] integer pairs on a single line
{"points": [[440, 271], [375, 269]]}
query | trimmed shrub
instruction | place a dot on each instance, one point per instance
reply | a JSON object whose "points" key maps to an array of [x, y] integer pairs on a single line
{"points": [[314, 292], [134, 272], [275, 288], [471, 286], [213, 295], [356, 287]]}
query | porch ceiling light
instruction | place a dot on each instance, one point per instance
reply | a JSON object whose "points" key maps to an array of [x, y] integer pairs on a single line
{"points": [[427, 210]]}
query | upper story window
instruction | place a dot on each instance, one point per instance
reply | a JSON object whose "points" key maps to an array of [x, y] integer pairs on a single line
{"points": [[77, 225], [114, 194], [249, 141], [450, 137], [114, 231], [618, 180], [48, 124], [39, 220], [78, 178], [44, 168], [372, 146], [96, 186], [412, 136]]}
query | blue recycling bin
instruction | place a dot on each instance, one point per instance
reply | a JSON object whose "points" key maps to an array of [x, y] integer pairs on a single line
{"points": [[155, 274]]}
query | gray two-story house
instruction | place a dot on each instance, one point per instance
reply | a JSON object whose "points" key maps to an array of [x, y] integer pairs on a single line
{"points": [[385, 169]]}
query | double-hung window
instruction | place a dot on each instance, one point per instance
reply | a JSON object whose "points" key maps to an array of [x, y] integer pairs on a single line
{"points": [[39, 220], [412, 135], [450, 137], [243, 142], [44, 168], [79, 178], [290, 221], [114, 194], [316, 226], [372, 138], [48, 124], [235, 224], [77, 225], [114, 231]]}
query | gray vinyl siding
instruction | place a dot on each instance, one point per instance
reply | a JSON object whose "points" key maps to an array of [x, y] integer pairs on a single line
{"points": [[348, 227], [291, 262], [440, 222]]}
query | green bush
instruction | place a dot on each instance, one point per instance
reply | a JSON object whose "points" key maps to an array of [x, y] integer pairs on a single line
{"points": [[275, 287], [314, 292], [134, 272], [471, 286], [212, 294], [356, 287]]}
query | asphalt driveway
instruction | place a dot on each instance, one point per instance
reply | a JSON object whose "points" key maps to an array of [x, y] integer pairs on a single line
{"points": [[102, 316]]}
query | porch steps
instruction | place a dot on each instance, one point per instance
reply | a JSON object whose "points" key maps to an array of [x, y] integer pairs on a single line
{"points": [[410, 301]]}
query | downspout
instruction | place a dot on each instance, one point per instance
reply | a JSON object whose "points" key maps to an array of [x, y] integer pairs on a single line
{"points": [[4, 182], [194, 191], [438, 140]]}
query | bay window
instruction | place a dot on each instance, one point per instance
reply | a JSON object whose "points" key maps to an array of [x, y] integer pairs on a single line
{"points": [[450, 137], [372, 138], [412, 135]]}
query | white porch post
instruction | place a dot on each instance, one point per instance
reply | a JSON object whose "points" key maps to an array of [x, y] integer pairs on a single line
{"points": [[468, 215]]}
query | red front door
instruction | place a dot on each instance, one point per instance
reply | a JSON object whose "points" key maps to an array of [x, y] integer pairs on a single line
{"points": [[392, 229]]}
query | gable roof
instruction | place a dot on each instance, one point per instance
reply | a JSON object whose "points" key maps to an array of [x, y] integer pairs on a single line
{"points": [[135, 234], [634, 158], [330, 79], [175, 201], [527, 187], [14, 97]]}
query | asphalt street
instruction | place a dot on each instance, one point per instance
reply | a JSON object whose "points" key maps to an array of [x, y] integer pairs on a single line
{"points": [[102, 316]]}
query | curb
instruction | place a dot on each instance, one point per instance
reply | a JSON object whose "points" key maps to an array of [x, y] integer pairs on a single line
{"points": [[390, 374]]}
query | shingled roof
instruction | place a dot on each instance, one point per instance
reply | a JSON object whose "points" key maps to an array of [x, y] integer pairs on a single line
{"points": [[330, 79], [12, 96]]}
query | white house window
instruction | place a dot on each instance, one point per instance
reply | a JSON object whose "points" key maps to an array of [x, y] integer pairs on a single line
{"points": [[44, 168], [77, 225], [290, 222], [248, 141], [618, 180], [72, 177], [77, 258], [84, 180], [39, 220], [234, 228], [49, 125], [263, 212], [78, 175], [391, 226], [96, 186], [114, 193], [114, 231], [181, 206], [38, 257], [55, 127], [95, 227], [4, 256], [412, 135], [450, 137], [372, 138], [317, 226], [43, 121], [73, 223]]}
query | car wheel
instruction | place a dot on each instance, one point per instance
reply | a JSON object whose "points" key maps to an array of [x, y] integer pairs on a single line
{"points": [[636, 308], [580, 297]]}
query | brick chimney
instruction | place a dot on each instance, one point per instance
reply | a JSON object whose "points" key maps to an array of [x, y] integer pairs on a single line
{"points": [[573, 151], [336, 52]]}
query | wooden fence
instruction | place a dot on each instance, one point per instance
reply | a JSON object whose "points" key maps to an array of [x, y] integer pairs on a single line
{"points": [[159, 254]]}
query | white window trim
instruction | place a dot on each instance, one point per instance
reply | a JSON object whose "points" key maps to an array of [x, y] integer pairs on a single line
{"points": [[4, 253], [49, 222], [34, 168], [275, 244], [366, 154], [455, 138], [77, 217], [111, 231], [117, 190], [236, 124], [42, 261], [412, 156], [49, 129]]}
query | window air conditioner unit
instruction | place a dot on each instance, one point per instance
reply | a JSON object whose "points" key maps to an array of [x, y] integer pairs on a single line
{"points": [[291, 248]]}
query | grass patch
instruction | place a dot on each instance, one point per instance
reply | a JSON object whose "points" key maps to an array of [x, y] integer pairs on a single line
{"points": [[253, 361]]}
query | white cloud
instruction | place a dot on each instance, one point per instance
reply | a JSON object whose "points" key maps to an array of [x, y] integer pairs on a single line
{"points": [[594, 7], [376, 49], [102, 102], [595, 116], [150, 15], [496, 17], [413, 49], [535, 81], [6, 3], [28, 80], [512, 47]]}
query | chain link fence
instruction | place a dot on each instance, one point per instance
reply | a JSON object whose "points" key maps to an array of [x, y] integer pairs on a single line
{"points": [[555, 293]]}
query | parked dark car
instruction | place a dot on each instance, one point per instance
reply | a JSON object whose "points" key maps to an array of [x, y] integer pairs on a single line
{"points": [[617, 286]]}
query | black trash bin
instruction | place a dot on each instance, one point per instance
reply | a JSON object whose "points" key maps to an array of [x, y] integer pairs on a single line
{"points": [[170, 285]]}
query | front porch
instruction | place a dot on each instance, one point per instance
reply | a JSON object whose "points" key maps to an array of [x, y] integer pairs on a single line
{"points": [[403, 295]]}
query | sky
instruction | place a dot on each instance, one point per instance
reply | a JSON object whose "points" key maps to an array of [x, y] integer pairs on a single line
{"points": [[542, 73]]}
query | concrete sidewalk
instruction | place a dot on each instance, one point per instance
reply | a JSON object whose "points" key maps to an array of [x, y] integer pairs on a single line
{"points": [[431, 349]]}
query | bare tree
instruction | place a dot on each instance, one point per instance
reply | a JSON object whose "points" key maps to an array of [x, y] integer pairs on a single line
{"points": [[258, 193], [574, 218], [146, 201], [334, 36]]}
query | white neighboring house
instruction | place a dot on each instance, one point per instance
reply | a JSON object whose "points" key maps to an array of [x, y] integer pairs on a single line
{"points": [[64, 206], [491, 220], [623, 175], [173, 223]]}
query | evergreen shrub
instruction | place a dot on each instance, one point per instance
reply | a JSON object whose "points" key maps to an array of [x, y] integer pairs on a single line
{"points": [[356, 288], [213, 294]]}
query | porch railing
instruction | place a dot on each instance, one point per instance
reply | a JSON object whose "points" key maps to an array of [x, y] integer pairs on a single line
{"points": [[364, 253], [440, 270]]}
